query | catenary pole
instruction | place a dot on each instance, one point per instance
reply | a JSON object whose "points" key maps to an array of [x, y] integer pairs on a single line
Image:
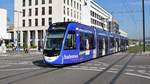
{"points": [[143, 15]]}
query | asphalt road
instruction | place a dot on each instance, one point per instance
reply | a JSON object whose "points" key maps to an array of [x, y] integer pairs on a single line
{"points": [[120, 68]]}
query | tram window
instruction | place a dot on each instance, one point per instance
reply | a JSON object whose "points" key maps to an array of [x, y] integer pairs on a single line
{"points": [[121, 42], [112, 42], [70, 42], [0, 42], [100, 41], [91, 41], [117, 40], [86, 41], [82, 43]]}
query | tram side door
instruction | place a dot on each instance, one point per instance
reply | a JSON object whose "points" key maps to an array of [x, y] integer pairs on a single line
{"points": [[104, 47], [100, 46], [71, 46], [117, 44]]}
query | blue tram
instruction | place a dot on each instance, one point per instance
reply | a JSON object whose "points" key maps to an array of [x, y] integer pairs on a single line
{"points": [[71, 42]]}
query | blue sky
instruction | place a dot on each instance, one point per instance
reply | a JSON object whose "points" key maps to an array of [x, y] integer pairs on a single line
{"points": [[127, 12], [129, 15]]}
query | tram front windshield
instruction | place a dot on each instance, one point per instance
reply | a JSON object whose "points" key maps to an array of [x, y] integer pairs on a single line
{"points": [[54, 40]]}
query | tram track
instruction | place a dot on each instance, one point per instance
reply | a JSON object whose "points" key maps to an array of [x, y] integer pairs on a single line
{"points": [[121, 70], [38, 72], [33, 75], [109, 67], [29, 74]]}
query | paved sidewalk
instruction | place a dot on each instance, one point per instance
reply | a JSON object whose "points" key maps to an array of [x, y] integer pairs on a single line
{"points": [[14, 53]]}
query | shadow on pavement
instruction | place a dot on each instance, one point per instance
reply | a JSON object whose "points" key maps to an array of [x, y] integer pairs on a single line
{"points": [[40, 63]]}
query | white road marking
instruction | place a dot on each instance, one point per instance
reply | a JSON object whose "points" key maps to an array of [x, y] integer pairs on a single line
{"points": [[15, 63], [3, 66], [74, 66], [145, 73], [118, 65], [83, 66], [102, 68], [131, 66], [92, 67], [102, 63], [97, 64], [141, 66], [86, 69], [89, 64], [138, 75], [129, 70], [18, 69], [141, 71], [114, 69]]}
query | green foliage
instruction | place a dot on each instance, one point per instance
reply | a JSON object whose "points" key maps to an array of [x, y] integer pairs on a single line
{"points": [[33, 46], [138, 49], [9, 46], [147, 48], [25, 46]]}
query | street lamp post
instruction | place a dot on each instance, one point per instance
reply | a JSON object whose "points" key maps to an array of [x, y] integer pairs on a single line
{"points": [[143, 15], [18, 12]]}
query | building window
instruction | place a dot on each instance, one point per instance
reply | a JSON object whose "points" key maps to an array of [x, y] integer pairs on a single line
{"points": [[74, 4], [77, 5], [74, 14], [50, 10], [64, 1], [30, 2], [36, 11], [64, 19], [36, 22], [64, 10], [30, 12], [92, 13], [50, 1], [32, 36], [50, 20], [36, 2], [23, 3], [71, 3], [68, 11], [23, 12], [43, 21], [67, 2], [71, 13], [40, 36], [43, 1], [30, 22], [23, 23], [43, 10], [77, 15], [80, 7], [80, 16]]}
